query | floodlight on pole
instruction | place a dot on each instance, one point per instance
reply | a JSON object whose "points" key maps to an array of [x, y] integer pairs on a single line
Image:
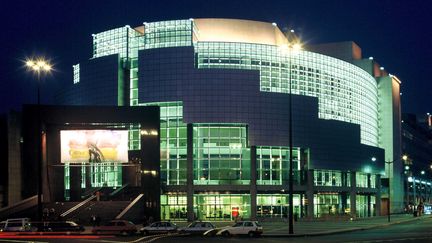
{"points": [[39, 66], [289, 50]]}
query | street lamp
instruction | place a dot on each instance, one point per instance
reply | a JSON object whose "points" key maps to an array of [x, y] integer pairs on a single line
{"points": [[289, 49], [39, 67], [404, 158]]}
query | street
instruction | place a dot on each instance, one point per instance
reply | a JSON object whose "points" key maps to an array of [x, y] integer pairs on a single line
{"points": [[415, 231]]}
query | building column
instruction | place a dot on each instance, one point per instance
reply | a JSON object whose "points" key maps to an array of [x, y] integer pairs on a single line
{"points": [[353, 201], [189, 175], [75, 183], [378, 195], [310, 194], [253, 185]]}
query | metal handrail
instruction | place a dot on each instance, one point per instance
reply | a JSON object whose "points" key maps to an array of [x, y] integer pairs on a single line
{"points": [[129, 206], [77, 206]]}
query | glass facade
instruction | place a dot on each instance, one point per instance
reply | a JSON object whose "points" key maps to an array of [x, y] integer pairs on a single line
{"points": [[276, 205], [173, 143], [168, 34], [107, 174], [362, 179], [222, 206], [273, 165], [221, 155], [330, 204], [327, 178], [173, 207], [366, 205], [345, 92], [116, 41]]}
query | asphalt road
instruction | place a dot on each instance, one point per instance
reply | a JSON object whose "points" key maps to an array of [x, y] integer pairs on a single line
{"points": [[416, 231]]}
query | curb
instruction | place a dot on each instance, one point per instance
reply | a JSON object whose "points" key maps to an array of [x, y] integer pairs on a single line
{"points": [[332, 232]]}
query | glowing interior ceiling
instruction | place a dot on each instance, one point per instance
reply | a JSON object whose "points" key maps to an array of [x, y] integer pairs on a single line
{"points": [[236, 30]]}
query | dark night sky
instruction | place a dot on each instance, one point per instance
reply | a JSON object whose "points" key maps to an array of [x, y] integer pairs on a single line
{"points": [[398, 34]]}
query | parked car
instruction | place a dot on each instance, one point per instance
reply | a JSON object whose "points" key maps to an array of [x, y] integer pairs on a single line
{"points": [[62, 226], [159, 228], [122, 227], [250, 228], [197, 227], [18, 224]]}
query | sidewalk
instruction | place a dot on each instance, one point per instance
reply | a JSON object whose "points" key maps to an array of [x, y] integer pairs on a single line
{"points": [[315, 228]]}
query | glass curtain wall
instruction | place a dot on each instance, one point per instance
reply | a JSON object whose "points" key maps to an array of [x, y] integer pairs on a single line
{"points": [[107, 174], [345, 91], [362, 205], [330, 204], [273, 165], [173, 207], [362, 180], [222, 206], [221, 155], [327, 178], [173, 143], [276, 205]]}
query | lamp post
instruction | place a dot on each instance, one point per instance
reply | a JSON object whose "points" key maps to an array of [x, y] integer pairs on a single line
{"points": [[39, 67], [290, 48], [404, 157]]}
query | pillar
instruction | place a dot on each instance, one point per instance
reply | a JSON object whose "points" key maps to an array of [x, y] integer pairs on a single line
{"points": [[75, 183], [310, 194], [378, 195], [353, 201], [189, 175], [253, 185]]}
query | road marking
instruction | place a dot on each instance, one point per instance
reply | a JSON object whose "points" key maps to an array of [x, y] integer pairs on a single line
{"points": [[21, 241], [145, 239]]}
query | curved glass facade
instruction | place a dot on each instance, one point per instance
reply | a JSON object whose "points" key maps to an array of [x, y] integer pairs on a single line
{"points": [[345, 92]]}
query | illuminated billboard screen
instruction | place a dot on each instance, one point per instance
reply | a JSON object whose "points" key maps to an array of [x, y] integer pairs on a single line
{"points": [[94, 146]]}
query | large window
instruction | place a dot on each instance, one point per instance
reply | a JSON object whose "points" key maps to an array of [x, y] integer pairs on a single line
{"points": [[221, 207], [327, 178], [173, 207], [364, 203], [221, 155], [273, 165], [168, 33], [276, 205], [362, 179], [108, 174], [330, 204], [173, 143]]}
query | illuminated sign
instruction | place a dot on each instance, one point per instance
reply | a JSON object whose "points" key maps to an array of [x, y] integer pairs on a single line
{"points": [[94, 146]]}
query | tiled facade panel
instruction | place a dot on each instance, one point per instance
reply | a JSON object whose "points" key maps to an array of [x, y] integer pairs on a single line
{"points": [[98, 83], [233, 96]]}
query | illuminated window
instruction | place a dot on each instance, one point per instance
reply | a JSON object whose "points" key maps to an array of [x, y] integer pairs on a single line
{"points": [[221, 155], [76, 73]]}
